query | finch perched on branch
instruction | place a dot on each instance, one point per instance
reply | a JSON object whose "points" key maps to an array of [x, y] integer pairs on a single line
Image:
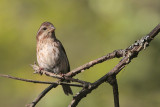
{"points": [[51, 55]]}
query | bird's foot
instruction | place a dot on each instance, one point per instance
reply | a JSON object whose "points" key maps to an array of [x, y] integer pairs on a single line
{"points": [[63, 75], [39, 71]]}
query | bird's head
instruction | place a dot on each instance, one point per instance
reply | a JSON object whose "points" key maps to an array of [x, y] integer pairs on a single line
{"points": [[46, 30]]}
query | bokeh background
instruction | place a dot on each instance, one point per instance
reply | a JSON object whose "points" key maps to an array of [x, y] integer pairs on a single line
{"points": [[88, 30]]}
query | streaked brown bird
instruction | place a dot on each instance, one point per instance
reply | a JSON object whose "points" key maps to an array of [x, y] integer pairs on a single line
{"points": [[51, 55]]}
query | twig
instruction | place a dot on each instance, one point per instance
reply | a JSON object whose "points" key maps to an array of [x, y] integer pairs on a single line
{"points": [[116, 93], [113, 81], [42, 82], [64, 77], [50, 74], [115, 54]]}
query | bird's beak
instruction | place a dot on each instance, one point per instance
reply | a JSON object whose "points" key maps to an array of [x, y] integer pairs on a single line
{"points": [[52, 29]]}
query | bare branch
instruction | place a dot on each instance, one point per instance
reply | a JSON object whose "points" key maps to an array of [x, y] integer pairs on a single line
{"points": [[41, 82], [114, 54], [64, 77]]}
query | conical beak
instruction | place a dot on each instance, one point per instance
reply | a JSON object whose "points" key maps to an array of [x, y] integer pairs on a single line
{"points": [[52, 29]]}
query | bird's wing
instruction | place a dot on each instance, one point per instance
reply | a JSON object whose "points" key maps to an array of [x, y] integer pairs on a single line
{"points": [[61, 46]]}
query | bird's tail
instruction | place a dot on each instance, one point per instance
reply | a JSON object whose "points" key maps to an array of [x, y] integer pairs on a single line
{"points": [[67, 89]]}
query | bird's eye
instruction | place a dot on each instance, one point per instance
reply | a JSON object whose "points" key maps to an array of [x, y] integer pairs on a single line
{"points": [[44, 28]]}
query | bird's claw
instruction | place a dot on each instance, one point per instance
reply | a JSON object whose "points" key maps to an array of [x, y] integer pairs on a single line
{"points": [[63, 75], [39, 71]]}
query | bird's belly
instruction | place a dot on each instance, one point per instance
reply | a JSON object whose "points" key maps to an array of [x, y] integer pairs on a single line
{"points": [[47, 56]]}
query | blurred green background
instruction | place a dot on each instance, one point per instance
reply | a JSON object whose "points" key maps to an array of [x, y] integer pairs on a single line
{"points": [[88, 30]]}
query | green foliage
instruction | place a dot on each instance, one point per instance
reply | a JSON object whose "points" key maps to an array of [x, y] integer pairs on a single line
{"points": [[88, 29]]}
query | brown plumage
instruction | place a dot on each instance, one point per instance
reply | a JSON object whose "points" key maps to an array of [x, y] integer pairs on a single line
{"points": [[51, 55]]}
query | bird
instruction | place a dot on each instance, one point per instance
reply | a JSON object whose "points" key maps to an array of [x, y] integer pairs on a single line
{"points": [[51, 55]]}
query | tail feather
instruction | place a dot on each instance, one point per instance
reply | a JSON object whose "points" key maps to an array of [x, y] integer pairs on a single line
{"points": [[67, 90]]}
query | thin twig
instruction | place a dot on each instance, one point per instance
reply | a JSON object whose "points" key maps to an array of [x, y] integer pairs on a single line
{"points": [[41, 82], [115, 54], [64, 77], [116, 94], [113, 81]]}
